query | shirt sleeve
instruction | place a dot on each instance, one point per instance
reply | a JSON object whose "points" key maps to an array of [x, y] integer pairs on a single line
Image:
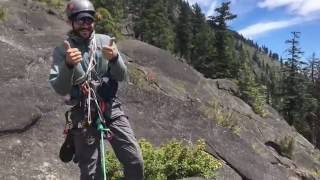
{"points": [[61, 77]]}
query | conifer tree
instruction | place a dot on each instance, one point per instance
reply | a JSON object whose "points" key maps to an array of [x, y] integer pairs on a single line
{"points": [[155, 27], [312, 100], [202, 50], [313, 63], [137, 8], [251, 91], [224, 65], [172, 6], [110, 14], [293, 87], [184, 31], [198, 19]]}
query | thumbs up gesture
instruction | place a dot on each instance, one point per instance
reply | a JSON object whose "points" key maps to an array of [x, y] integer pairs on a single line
{"points": [[73, 55], [110, 52]]}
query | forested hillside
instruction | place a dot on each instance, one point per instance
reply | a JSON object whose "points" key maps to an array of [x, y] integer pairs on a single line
{"points": [[286, 83], [206, 43]]}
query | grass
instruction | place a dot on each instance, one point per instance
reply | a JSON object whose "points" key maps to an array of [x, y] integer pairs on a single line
{"points": [[3, 13], [222, 117], [287, 145], [180, 87], [144, 80], [315, 173]]}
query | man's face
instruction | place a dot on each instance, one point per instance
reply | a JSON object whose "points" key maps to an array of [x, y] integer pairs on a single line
{"points": [[83, 27]]}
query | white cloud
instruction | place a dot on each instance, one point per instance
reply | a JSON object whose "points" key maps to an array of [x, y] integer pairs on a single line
{"points": [[200, 2], [298, 7], [208, 6], [211, 9], [242, 7], [271, 4], [264, 27], [238, 7], [302, 11], [309, 7]]}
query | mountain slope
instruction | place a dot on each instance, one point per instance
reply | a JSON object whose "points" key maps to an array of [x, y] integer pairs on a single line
{"points": [[164, 99], [199, 106]]}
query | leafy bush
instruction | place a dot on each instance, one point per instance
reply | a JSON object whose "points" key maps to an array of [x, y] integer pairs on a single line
{"points": [[114, 168], [106, 24], [170, 161], [3, 13]]}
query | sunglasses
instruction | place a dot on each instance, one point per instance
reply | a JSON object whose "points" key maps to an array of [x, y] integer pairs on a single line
{"points": [[84, 21]]}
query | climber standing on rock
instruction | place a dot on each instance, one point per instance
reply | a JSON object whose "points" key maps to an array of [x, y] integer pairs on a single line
{"points": [[87, 54]]}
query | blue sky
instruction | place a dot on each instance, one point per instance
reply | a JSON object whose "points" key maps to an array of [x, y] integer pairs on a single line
{"points": [[270, 22]]}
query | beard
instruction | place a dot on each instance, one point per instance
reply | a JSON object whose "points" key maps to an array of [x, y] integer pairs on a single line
{"points": [[85, 33]]}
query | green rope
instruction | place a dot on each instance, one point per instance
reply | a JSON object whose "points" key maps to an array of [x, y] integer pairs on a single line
{"points": [[103, 159]]}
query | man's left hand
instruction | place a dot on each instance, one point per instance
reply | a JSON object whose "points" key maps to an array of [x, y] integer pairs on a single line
{"points": [[110, 52]]}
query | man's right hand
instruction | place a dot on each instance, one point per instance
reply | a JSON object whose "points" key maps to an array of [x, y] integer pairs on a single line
{"points": [[73, 55]]}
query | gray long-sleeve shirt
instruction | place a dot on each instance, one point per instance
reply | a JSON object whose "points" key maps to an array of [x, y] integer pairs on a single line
{"points": [[65, 80]]}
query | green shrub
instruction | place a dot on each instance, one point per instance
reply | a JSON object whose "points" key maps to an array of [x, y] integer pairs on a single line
{"points": [[114, 168], [142, 79], [287, 146], [315, 173], [106, 24], [170, 161], [222, 117], [251, 91], [3, 13], [254, 95]]}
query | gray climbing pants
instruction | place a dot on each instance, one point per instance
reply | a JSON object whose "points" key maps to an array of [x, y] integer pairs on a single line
{"points": [[124, 145]]}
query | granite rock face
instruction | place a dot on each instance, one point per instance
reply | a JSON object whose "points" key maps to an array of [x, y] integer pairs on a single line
{"points": [[164, 99]]}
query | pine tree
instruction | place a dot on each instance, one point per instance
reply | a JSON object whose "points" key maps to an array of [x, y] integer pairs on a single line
{"points": [[110, 14], [293, 87], [313, 63], [155, 27], [184, 32], [202, 50], [312, 100], [251, 91], [224, 65], [172, 7], [198, 19], [137, 8]]}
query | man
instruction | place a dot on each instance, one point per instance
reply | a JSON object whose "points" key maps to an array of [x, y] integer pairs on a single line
{"points": [[69, 76]]}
